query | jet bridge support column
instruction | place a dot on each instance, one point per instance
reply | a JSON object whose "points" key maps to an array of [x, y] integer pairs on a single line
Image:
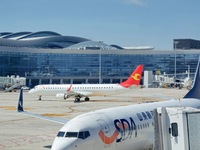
{"points": [[111, 80], [86, 81], [61, 81], [50, 81], [71, 81], [40, 81]]}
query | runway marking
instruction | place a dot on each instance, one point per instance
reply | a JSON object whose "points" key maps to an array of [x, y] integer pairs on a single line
{"points": [[26, 140], [11, 108], [8, 107], [54, 115]]}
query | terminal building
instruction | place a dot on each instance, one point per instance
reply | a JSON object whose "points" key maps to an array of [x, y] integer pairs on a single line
{"points": [[186, 44], [50, 58]]}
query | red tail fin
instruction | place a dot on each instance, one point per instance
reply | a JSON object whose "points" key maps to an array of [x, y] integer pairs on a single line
{"points": [[134, 78]]}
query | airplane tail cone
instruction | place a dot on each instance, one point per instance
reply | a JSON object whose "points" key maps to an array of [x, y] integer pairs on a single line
{"points": [[20, 102], [194, 92]]}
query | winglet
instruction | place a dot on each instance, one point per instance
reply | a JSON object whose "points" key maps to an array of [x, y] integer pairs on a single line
{"points": [[134, 78], [194, 92], [20, 102]]}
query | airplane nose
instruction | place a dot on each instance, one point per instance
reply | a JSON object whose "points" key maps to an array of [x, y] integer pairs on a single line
{"points": [[30, 91], [62, 144]]}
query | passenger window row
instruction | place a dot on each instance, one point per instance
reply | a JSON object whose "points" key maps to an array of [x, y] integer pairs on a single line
{"points": [[78, 88], [142, 126]]}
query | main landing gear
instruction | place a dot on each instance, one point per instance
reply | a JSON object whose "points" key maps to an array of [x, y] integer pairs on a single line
{"points": [[77, 99], [87, 99], [40, 98]]}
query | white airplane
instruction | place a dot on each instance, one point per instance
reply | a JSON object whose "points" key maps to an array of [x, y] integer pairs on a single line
{"points": [[85, 90], [125, 127]]}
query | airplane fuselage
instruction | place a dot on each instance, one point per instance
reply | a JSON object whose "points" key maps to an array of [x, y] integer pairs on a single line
{"points": [[86, 89], [127, 128]]}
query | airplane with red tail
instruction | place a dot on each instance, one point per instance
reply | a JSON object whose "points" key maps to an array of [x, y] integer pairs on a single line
{"points": [[65, 91]]}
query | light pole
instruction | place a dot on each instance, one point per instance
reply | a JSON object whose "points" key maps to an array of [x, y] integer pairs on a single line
{"points": [[100, 66], [175, 43]]}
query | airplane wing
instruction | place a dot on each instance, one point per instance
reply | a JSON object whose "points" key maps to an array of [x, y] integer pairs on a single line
{"points": [[57, 120], [20, 109], [82, 93]]}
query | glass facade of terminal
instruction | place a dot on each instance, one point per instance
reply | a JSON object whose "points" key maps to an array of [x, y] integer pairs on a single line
{"points": [[45, 57], [116, 63]]}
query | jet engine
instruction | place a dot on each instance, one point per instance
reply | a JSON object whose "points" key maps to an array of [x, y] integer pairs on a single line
{"points": [[62, 96]]}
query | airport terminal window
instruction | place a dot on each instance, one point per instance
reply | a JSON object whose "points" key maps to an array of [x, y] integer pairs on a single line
{"points": [[60, 134], [62, 65]]}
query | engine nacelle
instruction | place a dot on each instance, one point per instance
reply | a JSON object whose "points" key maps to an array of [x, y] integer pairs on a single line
{"points": [[62, 96]]}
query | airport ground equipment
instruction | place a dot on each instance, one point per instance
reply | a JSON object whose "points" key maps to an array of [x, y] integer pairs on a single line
{"points": [[176, 128]]}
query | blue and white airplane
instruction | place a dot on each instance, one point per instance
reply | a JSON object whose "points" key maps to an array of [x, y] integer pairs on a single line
{"points": [[125, 127]]}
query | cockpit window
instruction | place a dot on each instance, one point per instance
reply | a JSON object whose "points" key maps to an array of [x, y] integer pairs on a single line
{"points": [[80, 135], [83, 134], [71, 134], [60, 134]]}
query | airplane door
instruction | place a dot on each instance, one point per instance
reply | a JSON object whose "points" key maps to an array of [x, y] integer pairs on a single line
{"points": [[106, 130]]}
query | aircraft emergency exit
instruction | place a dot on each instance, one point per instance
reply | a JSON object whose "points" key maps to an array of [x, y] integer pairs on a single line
{"points": [[78, 91]]}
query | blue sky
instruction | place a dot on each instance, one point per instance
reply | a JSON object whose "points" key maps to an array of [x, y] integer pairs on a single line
{"points": [[123, 22]]}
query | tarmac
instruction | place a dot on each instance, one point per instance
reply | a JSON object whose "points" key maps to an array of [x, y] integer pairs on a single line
{"points": [[21, 132]]}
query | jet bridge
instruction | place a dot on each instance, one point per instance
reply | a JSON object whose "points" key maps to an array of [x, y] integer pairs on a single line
{"points": [[11, 82], [176, 128]]}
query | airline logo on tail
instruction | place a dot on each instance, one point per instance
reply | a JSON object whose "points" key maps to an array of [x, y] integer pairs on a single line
{"points": [[134, 78]]}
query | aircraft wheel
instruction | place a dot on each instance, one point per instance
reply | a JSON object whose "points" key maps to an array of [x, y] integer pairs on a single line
{"points": [[65, 96], [77, 99], [87, 99]]}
